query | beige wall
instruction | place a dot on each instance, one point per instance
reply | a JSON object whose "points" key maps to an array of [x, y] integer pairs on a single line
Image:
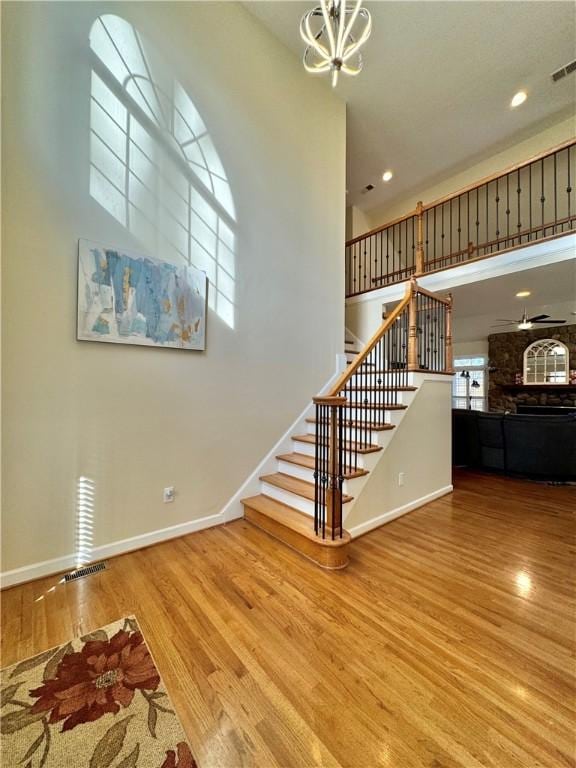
{"points": [[357, 222], [420, 448], [135, 419], [518, 153]]}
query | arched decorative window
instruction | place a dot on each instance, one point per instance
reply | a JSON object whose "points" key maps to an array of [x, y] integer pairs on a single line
{"points": [[153, 165], [546, 362]]}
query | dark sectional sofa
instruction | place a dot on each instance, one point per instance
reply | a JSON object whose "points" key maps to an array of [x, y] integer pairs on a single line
{"points": [[520, 444]]}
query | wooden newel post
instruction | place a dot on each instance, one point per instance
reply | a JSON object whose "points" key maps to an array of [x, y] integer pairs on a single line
{"points": [[413, 327], [449, 360], [419, 238], [329, 466]]}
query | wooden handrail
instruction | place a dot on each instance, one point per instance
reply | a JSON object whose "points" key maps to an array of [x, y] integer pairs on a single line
{"points": [[422, 208], [433, 296], [381, 228], [396, 312]]}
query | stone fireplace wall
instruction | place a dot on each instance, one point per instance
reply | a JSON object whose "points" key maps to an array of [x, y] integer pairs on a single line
{"points": [[506, 358]]}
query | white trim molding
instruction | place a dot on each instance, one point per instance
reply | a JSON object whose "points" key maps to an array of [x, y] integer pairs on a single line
{"points": [[376, 522]]}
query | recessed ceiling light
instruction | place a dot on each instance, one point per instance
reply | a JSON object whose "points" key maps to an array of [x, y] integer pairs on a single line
{"points": [[523, 294], [518, 98], [387, 175]]}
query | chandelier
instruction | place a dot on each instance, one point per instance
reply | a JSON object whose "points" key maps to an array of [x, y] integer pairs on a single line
{"points": [[331, 44]]}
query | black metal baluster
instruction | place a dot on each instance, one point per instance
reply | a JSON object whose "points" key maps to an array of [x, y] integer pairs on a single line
{"points": [[442, 235], [530, 203], [555, 193], [507, 209], [459, 228], [486, 190], [518, 193], [451, 201], [477, 217], [569, 190], [542, 198], [497, 214], [316, 478], [340, 467]]}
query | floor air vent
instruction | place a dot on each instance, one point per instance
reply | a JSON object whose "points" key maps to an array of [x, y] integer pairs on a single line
{"points": [[88, 571]]}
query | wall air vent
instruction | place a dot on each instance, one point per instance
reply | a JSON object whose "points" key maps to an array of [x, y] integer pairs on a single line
{"points": [[567, 69]]}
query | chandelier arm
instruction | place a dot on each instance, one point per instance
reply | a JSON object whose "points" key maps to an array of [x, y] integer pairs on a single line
{"points": [[349, 26], [351, 50], [315, 68], [328, 24], [311, 40], [352, 71], [341, 29]]}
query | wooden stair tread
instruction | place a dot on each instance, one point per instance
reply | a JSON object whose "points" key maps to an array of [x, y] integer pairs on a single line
{"points": [[295, 485], [359, 424], [303, 460], [289, 517], [347, 445]]}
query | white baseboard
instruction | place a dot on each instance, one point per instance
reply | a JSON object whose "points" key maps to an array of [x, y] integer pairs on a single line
{"points": [[68, 562], [376, 522]]}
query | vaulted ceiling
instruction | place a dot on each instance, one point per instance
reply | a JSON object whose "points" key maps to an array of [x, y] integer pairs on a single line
{"points": [[434, 96]]}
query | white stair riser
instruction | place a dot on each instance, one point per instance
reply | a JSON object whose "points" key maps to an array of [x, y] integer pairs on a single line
{"points": [[378, 398], [295, 470], [307, 474], [386, 379], [367, 414], [286, 497], [381, 437], [349, 459]]}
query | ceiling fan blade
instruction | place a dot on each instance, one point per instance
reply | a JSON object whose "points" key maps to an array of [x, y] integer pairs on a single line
{"points": [[537, 317], [507, 320], [501, 325], [548, 322]]}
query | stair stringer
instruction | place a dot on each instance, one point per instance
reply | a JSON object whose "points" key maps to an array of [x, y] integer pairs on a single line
{"points": [[419, 446]]}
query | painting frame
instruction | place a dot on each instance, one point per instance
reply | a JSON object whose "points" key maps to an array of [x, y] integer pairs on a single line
{"points": [[131, 298]]}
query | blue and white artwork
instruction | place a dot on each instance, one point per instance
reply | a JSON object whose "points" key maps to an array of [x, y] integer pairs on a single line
{"points": [[129, 299]]}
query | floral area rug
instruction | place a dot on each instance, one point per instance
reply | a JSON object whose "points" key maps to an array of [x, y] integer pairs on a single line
{"points": [[95, 702]]}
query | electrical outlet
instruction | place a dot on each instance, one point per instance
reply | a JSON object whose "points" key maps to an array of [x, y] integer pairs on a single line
{"points": [[401, 478], [169, 494]]}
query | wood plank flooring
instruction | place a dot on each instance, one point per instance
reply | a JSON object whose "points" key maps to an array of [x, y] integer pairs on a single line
{"points": [[448, 641]]}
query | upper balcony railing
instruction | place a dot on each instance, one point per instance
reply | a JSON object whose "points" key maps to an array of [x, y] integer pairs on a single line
{"points": [[530, 202]]}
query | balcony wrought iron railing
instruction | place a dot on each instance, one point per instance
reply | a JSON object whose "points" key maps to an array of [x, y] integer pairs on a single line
{"points": [[529, 202]]}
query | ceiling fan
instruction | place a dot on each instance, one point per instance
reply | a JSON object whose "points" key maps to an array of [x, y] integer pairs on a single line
{"points": [[527, 322]]}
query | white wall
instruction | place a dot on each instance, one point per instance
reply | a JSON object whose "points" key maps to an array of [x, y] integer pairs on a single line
{"points": [[135, 419], [421, 448]]}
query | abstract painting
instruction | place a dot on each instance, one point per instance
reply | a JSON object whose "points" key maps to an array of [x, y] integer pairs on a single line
{"points": [[130, 299]]}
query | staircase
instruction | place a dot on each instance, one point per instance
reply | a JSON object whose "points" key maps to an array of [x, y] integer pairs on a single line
{"points": [[345, 433]]}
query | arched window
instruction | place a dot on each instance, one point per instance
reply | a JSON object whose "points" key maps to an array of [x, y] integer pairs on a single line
{"points": [[153, 165], [546, 362]]}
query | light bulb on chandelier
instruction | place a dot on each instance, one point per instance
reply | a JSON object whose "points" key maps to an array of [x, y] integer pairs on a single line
{"points": [[332, 44]]}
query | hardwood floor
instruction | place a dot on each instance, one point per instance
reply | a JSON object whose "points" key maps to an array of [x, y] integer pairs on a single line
{"points": [[448, 641]]}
